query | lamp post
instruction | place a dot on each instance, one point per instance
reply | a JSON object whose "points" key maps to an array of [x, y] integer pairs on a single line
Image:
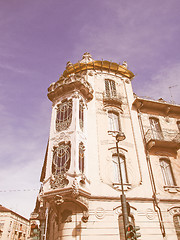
{"points": [[120, 137]]}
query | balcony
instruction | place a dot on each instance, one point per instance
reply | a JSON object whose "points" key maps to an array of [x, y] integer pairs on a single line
{"points": [[163, 139], [110, 99]]}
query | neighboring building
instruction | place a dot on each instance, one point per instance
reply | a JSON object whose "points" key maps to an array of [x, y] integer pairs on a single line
{"points": [[80, 196], [13, 226]]}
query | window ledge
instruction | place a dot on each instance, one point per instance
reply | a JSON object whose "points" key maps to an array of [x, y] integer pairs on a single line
{"points": [[117, 186], [113, 133], [172, 189]]}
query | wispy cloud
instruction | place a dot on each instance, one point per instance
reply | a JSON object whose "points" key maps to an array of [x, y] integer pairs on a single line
{"points": [[165, 83]]}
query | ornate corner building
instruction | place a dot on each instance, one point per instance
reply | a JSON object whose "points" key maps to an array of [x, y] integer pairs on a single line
{"points": [[80, 195]]}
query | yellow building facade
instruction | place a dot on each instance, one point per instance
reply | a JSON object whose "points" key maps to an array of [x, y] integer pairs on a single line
{"points": [[80, 196]]}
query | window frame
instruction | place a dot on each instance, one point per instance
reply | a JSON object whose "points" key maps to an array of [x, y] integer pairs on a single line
{"points": [[110, 88], [116, 171], [177, 225], [113, 121], [156, 128], [81, 114], [64, 115], [61, 164], [167, 172], [81, 157]]}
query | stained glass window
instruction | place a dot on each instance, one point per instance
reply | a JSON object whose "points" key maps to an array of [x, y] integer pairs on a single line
{"points": [[64, 115], [81, 114], [61, 158], [81, 157]]}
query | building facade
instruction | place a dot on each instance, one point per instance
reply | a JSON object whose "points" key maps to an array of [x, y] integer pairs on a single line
{"points": [[13, 226], [80, 196]]}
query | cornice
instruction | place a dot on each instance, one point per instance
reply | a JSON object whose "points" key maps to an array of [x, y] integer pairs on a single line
{"points": [[101, 65]]}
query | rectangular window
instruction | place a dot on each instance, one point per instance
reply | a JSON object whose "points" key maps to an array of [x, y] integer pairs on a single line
{"points": [[167, 172], [116, 169], [156, 128], [110, 88], [113, 121]]}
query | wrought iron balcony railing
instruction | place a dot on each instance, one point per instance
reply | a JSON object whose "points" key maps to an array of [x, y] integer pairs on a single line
{"points": [[165, 138], [115, 99]]}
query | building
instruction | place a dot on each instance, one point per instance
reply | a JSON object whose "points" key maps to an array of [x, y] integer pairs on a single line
{"points": [[80, 196], [13, 226]]}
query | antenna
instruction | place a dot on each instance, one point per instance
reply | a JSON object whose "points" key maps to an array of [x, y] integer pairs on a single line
{"points": [[171, 92]]}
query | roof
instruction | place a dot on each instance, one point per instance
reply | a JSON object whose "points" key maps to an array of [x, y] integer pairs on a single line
{"points": [[4, 209], [162, 107]]}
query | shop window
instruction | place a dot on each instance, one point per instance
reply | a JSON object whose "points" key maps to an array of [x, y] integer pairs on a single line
{"points": [[176, 220], [110, 88], [81, 114], [61, 158], [81, 157], [114, 124], [117, 179], [64, 115], [167, 172]]}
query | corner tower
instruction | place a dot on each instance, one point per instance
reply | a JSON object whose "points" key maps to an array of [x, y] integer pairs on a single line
{"points": [[91, 103]]}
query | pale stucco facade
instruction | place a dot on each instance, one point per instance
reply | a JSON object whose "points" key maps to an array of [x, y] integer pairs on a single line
{"points": [[80, 195], [13, 226]]}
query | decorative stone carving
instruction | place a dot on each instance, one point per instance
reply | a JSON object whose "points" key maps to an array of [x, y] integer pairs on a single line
{"points": [[58, 200], [66, 216], [85, 216], [100, 212], [174, 210], [70, 83], [75, 188], [83, 200], [150, 214], [59, 181], [69, 64], [86, 58], [125, 64]]}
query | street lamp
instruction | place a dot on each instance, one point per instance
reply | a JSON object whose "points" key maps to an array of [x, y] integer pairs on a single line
{"points": [[120, 137]]}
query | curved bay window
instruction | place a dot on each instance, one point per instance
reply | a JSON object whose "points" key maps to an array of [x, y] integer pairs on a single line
{"points": [[61, 158], [176, 220], [167, 172], [117, 179], [81, 157], [64, 115], [81, 114]]}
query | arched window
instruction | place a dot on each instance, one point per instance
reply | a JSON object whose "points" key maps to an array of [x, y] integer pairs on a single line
{"points": [[110, 88], [81, 157], [114, 124], [64, 115], [156, 128], [116, 169], [61, 158], [176, 220], [167, 172], [81, 114]]}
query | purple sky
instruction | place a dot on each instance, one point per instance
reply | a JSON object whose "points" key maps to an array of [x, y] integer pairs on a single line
{"points": [[38, 37]]}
